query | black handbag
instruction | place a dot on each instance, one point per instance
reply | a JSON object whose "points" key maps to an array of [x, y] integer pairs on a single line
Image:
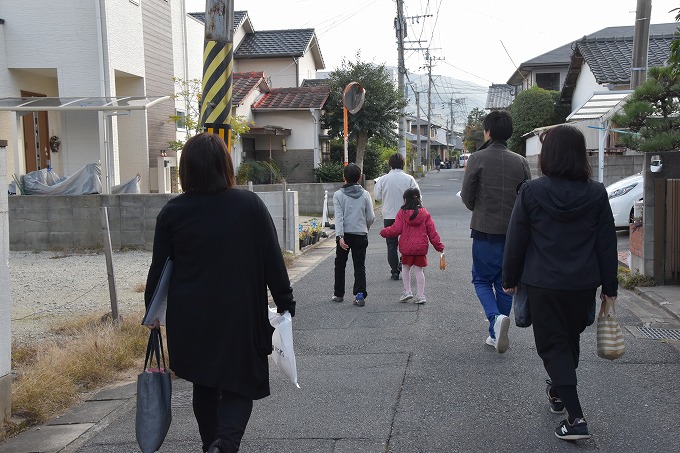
{"points": [[154, 394]]}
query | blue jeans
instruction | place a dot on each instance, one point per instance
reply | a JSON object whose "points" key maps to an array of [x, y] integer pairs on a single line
{"points": [[487, 273]]}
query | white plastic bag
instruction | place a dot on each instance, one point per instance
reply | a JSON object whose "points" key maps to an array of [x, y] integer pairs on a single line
{"points": [[282, 340]]}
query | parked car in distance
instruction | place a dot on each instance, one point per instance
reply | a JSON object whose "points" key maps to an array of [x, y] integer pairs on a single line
{"points": [[622, 197], [462, 160]]}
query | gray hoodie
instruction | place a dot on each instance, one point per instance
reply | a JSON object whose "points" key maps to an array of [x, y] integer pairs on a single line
{"points": [[353, 210]]}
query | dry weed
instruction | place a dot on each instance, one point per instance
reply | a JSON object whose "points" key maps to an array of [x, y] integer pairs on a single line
{"points": [[91, 354], [139, 287]]}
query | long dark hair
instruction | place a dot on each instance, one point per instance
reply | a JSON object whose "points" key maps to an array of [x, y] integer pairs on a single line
{"points": [[206, 165], [563, 154], [412, 202]]}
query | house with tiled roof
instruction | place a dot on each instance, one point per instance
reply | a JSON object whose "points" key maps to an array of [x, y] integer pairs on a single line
{"points": [[288, 56], [303, 147], [499, 96], [549, 70], [274, 89], [604, 64]]}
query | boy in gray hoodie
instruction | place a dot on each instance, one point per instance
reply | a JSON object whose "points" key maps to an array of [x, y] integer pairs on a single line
{"points": [[353, 217]]}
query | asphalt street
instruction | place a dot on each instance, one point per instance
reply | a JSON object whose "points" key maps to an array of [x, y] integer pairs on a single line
{"points": [[399, 377]]}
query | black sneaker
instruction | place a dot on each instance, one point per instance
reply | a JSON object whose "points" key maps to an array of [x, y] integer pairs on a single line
{"points": [[579, 430], [556, 404], [395, 276]]}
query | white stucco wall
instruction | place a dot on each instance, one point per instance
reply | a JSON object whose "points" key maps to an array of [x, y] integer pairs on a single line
{"points": [[280, 72], [307, 67], [299, 121], [585, 87]]}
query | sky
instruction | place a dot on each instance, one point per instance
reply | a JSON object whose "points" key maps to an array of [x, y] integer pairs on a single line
{"points": [[481, 41]]}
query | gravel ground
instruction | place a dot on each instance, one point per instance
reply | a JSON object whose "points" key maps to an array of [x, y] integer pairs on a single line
{"points": [[51, 287]]}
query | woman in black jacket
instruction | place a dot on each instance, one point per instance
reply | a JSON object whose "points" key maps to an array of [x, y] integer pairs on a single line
{"points": [[561, 244], [226, 253]]}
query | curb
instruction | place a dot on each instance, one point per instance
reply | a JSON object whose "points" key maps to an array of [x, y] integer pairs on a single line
{"points": [[648, 294]]}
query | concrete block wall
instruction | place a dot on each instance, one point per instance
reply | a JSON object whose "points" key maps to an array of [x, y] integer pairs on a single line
{"points": [[311, 195], [41, 222], [615, 167]]}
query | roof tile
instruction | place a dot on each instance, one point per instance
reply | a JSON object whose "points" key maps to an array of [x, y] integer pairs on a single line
{"points": [[268, 43], [610, 59], [244, 83], [499, 96], [293, 98]]}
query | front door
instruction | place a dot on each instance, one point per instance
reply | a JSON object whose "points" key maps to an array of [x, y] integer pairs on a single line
{"points": [[36, 138]]}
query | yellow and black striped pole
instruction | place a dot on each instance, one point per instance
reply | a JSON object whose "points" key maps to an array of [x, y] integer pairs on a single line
{"points": [[218, 65]]}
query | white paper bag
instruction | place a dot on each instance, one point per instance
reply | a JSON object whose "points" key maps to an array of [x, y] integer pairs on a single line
{"points": [[282, 340]]}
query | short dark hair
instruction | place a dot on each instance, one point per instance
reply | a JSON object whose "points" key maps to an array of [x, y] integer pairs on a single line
{"points": [[563, 153], [396, 161], [499, 125], [205, 165], [352, 173]]}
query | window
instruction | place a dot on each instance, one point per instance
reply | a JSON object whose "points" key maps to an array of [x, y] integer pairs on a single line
{"points": [[180, 122], [548, 81]]}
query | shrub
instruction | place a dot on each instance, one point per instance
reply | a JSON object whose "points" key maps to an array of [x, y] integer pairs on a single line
{"points": [[328, 172], [632, 280], [259, 172]]}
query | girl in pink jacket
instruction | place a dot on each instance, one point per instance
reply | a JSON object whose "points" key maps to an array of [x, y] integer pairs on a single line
{"points": [[415, 228]]}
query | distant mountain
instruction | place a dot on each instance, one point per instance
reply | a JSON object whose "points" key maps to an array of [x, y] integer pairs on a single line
{"points": [[448, 95]]}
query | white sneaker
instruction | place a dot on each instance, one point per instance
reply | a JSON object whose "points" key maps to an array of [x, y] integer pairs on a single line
{"points": [[419, 301], [491, 341], [500, 328], [405, 297]]}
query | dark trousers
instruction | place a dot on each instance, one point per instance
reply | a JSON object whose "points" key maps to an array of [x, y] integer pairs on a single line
{"points": [[559, 318], [358, 243], [392, 250], [221, 415]]}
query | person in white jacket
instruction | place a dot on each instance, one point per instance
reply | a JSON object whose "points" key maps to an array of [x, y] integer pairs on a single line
{"points": [[390, 189]]}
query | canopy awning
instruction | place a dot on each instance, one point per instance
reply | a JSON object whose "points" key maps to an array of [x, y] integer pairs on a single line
{"points": [[41, 104], [600, 104]]}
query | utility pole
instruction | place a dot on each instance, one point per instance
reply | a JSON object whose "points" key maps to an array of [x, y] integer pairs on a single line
{"points": [[418, 152], [429, 59], [218, 64], [400, 28], [638, 70]]}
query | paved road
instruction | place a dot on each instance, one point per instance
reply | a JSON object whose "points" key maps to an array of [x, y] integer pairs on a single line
{"points": [[393, 377]]}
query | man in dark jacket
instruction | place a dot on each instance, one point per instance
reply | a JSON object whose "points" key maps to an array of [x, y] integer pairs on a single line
{"points": [[490, 184]]}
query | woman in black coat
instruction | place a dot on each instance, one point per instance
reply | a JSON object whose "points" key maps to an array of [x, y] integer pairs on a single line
{"points": [[561, 244], [226, 254]]}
